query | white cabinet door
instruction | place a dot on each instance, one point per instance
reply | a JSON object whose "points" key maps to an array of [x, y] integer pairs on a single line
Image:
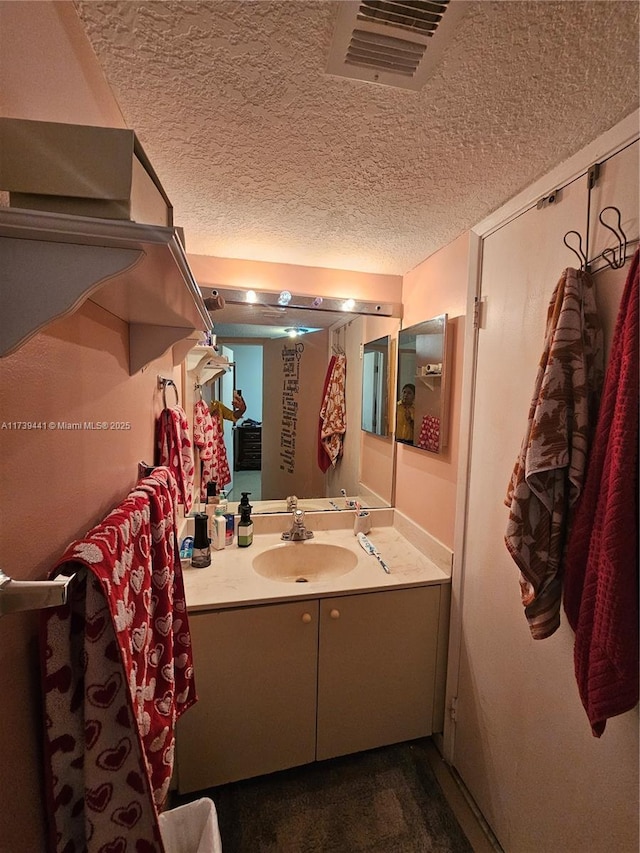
{"points": [[376, 671], [255, 672]]}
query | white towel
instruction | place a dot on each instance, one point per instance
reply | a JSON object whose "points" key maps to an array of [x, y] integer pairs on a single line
{"points": [[192, 828]]}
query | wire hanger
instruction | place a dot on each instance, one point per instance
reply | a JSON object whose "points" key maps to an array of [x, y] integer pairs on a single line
{"points": [[198, 387], [609, 255], [579, 252]]}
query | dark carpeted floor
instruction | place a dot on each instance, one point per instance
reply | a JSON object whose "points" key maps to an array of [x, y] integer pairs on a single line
{"points": [[386, 800]]}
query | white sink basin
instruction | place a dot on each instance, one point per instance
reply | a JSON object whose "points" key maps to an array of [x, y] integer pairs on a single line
{"points": [[297, 562]]}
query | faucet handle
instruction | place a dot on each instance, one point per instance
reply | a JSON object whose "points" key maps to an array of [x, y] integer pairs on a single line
{"points": [[292, 502]]}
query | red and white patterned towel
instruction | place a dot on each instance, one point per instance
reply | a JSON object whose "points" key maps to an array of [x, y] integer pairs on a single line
{"points": [[430, 433], [117, 674], [174, 450], [208, 437]]}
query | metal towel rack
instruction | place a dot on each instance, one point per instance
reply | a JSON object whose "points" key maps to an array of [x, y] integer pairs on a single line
{"points": [[32, 595], [162, 386]]}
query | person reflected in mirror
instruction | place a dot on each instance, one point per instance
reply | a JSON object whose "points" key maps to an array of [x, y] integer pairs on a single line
{"points": [[239, 405], [405, 414]]}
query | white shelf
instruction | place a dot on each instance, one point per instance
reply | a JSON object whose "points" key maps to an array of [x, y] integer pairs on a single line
{"points": [[52, 263], [204, 364], [430, 380]]}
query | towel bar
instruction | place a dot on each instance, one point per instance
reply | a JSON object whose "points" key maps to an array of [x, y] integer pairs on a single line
{"points": [[32, 595]]}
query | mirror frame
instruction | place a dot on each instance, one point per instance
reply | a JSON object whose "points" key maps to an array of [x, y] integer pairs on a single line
{"points": [[429, 372], [379, 416]]}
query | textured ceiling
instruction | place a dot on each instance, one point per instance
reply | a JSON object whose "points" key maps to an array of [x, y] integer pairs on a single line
{"points": [[266, 157]]}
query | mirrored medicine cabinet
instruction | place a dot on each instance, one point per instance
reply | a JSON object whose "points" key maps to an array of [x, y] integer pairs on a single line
{"points": [[423, 379]]}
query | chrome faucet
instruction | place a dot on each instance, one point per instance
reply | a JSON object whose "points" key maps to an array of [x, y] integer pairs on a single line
{"points": [[298, 532]]}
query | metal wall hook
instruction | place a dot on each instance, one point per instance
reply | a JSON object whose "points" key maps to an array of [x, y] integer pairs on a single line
{"points": [[610, 254], [162, 385], [579, 252]]}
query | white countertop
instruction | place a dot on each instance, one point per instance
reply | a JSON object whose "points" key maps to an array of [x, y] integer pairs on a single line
{"points": [[230, 580]]}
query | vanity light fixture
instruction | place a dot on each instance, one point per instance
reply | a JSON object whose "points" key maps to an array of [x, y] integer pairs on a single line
{"points": [[251, 296], [348, 305], [284, 298]]}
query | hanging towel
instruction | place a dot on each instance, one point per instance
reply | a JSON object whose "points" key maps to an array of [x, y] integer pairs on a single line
{"points": [[174, 450], [203, 439], [217, 468], [430, 433], [333, 412], [601, 574], [549, 472], [323, 460], [117, 674]]}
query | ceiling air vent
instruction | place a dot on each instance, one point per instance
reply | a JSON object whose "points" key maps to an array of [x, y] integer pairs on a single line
{"points": [[392, 42]]}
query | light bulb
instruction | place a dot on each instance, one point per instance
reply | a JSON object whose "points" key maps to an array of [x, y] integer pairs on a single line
{"points": [[348, 305], [284, 298], [251, 296]]}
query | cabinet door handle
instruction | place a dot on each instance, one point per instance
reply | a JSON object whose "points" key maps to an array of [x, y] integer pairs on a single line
{"points": [[335, 614], [306, 618]]}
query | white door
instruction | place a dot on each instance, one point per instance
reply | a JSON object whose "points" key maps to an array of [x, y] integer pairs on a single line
{"points": [[523, 745]]}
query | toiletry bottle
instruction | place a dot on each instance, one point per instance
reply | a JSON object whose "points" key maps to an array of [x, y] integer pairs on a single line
{"points": [[201, 556], [245, 525], [223, 503], [231, 528], [244, 501], [212, 493], [211, 504], [219, 530]]}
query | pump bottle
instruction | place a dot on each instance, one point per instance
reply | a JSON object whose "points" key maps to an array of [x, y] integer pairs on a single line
{"points": [[245, 525]]}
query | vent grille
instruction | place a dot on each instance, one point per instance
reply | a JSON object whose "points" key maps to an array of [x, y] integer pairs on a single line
{"points": [[423, 17], [392, 42]]}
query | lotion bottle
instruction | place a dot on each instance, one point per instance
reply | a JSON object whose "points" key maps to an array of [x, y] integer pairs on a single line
{"points": [[219, 528]]}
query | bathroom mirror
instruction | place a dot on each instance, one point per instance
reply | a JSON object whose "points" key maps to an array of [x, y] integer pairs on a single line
{"points": [[422, 393], [256, 339], [375, 384]]}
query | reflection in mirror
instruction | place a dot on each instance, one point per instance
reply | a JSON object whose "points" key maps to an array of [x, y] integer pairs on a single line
{"points": [[375, 378], [422, 406], [284, 417]]}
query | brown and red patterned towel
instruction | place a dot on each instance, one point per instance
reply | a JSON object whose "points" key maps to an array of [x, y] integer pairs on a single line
{"points": [[174, 450], [333, 413], [117, 674], [601, 572], [548, 475]]}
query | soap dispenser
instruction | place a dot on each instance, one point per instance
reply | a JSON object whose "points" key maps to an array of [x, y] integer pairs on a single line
{"points": [[201, 556], [245, 525]]}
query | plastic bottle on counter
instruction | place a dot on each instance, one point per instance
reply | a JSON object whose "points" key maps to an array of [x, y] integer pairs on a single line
{"points": [[219, 530], [231, 527], [223, 503]]}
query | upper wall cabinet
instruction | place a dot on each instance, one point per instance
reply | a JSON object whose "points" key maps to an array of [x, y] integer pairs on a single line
{"points": [[70, 237]]}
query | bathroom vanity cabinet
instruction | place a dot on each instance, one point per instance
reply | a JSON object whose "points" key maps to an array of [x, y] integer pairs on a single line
{"points": [[281, 685]]}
